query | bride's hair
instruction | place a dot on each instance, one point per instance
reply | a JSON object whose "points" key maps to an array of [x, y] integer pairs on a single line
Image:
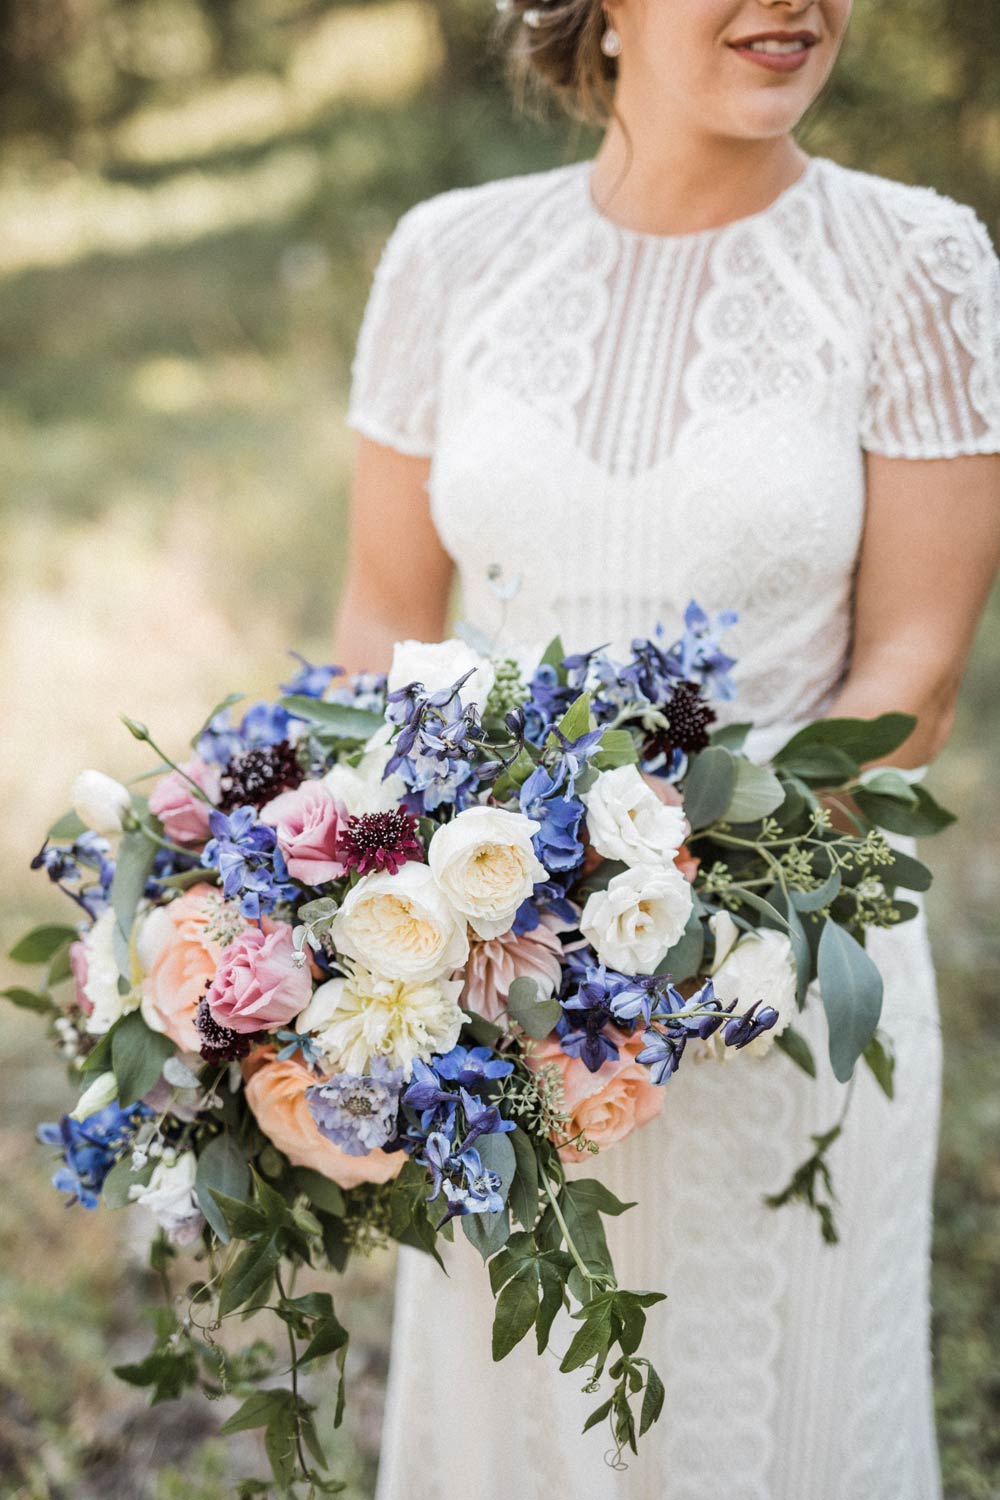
{"points": [[560, 57]]}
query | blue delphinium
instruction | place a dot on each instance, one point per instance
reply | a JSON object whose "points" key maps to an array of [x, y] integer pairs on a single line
{"points": [[436, 747], [542, 797], [437, 1089], [91, 1147], [263, 723], [357, 1111], [596, 996], [364, 690], [310, 681], [246, 854], [67, 865], [469, 1187]]}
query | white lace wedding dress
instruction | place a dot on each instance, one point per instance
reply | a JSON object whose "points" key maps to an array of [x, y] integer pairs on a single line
{"points": [[626, 421]]}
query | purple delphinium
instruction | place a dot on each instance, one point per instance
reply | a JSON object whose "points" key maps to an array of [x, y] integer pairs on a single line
{"points": [[246, 854]]}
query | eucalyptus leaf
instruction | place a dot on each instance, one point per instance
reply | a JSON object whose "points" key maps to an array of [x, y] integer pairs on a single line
{"points": [[731, 736], [851, 987], [179, 1075], [908, 873], [709, 786], [795, 1046], [41, 943], [339, 719], [222, 1167], [535, 1013], [820, 897], [133, 864], [137, 1057], [927, 817], [757, 792], [861, 739], [884, 781], [824, 765]]}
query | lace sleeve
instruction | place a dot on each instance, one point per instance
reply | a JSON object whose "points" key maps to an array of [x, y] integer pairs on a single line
{"points": [[393, 393], [934, 379]]}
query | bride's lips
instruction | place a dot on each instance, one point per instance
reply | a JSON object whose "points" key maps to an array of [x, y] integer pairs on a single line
{"points": [[778, 51]]}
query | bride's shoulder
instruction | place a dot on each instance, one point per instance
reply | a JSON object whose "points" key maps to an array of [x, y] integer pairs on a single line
{"points": [[897, 213], [475, 219]]}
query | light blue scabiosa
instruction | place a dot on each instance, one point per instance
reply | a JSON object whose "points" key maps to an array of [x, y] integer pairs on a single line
{"points": [[357, 1111]]}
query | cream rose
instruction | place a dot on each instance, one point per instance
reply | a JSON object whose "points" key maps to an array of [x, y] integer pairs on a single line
{"points": [[101, 984], [361, 788], [627, 821], [635, 922], [401, 926], [757, 966], [362, 1017], [439, 664], [484, 862]]}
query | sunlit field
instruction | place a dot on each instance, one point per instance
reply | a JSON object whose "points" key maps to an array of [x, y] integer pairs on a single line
{"points": [[180, 291]]}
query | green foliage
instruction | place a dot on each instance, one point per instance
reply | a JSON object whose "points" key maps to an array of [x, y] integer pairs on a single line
{"points": [[534, 1013], [137, 1056], [851, 986]]}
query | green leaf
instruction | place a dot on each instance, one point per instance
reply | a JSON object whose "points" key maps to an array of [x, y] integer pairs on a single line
{"points": [[652, 1401], [322, 1193], [927, 817], [256, 1411], [731, 736], [488, 1232], [252, 1269], [886, 781], [115, 1192], [279, 1445], [795, 1046], [908, 873], [536, 1015], [243, 1220], [327, 1338], [820, 897], [227, 702], [552, 1301], [42, 1005], [617, 748], [592, 1339], [576, 720], [683, 960], [69, 826], [222, 1167], [555, 655], [338, 719], [517, 1308], [137, 1057], [524, 1187], [168, 1372], [861, 739], [39, 945], [756, 793], [132, 866], [590, 1192], [882, 1063], [851, 987], [820, 765], [709, 786]]}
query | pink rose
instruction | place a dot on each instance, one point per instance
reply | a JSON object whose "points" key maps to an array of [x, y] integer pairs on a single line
{"points": [[607, 1105], [182, 812], [78, 966], [257, 986], [495, 963], [308, 821]]}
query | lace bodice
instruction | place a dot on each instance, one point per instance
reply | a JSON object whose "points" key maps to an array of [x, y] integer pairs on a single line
{"points": [[626, 420]]}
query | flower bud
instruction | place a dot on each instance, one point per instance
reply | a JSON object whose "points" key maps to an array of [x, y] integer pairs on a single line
{"points": [[101, 1092], [101, 802]]}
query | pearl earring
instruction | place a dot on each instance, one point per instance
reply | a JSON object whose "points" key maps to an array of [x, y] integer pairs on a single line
{"points": [[611, 43]]}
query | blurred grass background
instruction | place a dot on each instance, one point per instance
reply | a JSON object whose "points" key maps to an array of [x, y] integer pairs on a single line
{"points": [[192, 197]]}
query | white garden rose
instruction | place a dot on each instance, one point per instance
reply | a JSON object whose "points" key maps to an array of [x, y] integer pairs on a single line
{"points": [[361, 789], [401, 926], [100, 802], [361, 1017], [101, 985], [627, 821], [440, 663], [484, 862], [169, 1195], [757, 966], [635, 922]]}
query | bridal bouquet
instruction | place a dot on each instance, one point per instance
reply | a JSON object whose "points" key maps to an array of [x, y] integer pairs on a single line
{"points": [[392, 956]]}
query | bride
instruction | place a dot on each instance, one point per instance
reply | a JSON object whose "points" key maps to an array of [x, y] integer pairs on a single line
{"points": [[700, 365]]}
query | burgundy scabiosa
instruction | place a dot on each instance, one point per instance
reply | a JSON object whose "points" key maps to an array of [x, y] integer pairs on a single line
{"points": [[689, 718], [219, 1044], [258, 774], [380, 841]]}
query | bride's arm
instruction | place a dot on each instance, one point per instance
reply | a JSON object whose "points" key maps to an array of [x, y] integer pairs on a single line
{"points": [[930, 550], [398, 574]]}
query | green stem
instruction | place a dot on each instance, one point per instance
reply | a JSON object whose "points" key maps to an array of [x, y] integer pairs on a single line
{"points": [[147, 738], [587, 1274], [295, 1380]]}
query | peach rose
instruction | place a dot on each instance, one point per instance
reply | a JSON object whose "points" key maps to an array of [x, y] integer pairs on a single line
{"points": [[257, 984], [182, 812], [308, 822], [276, 1092], [609, 1104], [179, 947], [495, 963]]}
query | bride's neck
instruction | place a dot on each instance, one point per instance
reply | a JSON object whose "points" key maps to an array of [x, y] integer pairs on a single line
{"points": [[678, 185]]}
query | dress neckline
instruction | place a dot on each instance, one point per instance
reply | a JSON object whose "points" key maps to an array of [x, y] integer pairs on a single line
{"points": [[644, 236]]}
